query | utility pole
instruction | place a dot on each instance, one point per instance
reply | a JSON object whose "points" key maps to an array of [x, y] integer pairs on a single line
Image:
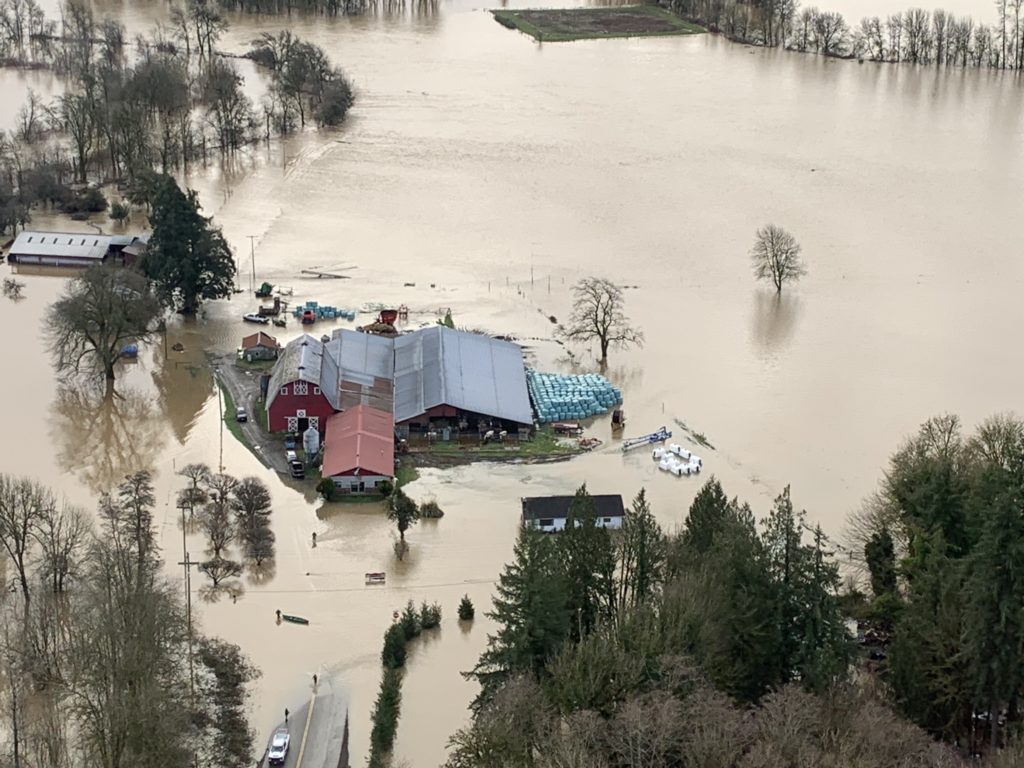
{"points": [[252, 254], [188, 562], [220, 409]]}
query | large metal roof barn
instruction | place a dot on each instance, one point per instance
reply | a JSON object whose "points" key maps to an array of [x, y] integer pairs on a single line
{"points": [[59, 249], [439, 366]]}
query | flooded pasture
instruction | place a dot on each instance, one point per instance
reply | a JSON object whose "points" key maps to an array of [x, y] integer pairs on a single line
{"points": [[492, 172]]}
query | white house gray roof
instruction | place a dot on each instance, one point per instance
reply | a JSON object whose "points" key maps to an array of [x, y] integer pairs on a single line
{"points": [[61, 244], [362, 357], [441, 366], [303, 360]]}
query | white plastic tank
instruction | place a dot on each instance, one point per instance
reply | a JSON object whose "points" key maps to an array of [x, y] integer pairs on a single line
{"points": [[311, 441]]}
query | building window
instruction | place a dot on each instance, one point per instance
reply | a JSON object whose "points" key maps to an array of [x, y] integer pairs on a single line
{"points": [[545, 523], [300, 388], [316, 390], [284, 390], [607, 520]]}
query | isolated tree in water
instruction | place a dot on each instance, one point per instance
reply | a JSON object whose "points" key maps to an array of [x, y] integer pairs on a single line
{"points": [[187, 258], [776, 256], [597, 314], [404, 512], [101, 311]]}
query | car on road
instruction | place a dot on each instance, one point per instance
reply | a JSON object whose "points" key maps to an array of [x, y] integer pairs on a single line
{"points": [[298, 471], [241, 415], [278, 751]]}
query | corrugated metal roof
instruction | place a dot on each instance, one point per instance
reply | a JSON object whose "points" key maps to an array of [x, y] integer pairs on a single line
{"points": [[63, 244], [441, 366], [361, 438], [362, 357], [301, 360]]}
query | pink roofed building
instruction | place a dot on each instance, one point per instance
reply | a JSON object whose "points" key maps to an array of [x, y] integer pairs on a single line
{"points": [[359, 449]]}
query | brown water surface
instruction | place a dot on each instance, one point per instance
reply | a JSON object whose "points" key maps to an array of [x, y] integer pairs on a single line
{"points": [[493, 172]]}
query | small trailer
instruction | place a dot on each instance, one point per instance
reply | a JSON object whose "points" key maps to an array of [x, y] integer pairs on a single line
{"points": [[660, 436], [376, 577]]}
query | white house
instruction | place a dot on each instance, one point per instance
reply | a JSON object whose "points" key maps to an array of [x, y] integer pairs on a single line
{"points": [[549, 513]]}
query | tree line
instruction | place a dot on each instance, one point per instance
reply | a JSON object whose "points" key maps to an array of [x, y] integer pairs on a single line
{"points": [[727, 643], [915, 36], [96, 659], [155, 104], [943, 544]]}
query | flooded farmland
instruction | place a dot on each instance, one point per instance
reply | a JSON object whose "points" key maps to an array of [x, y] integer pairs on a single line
{"points": [[491, 173]]}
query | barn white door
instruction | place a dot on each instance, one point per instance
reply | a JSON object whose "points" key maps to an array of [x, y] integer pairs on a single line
{"points": [[293, 424]]}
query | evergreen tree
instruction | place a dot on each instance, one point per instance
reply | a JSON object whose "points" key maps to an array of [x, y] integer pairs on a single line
{"points": [[994, 606], [530, 611], [588, 560], [187, 258], [880, 554], [709, 512], [926, 669], [641, 555], [813, 642], [738, 639]]}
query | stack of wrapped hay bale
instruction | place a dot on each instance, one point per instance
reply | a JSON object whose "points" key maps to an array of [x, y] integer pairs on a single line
{"points": [[564, 398]]}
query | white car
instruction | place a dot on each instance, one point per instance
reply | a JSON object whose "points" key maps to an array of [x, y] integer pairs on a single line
{"points": [[278, 751]]}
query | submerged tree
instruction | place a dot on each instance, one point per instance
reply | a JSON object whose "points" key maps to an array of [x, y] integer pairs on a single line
{"points": [[102, 311], [776, 257], [188, 258], [404, 512], [597, 313]]}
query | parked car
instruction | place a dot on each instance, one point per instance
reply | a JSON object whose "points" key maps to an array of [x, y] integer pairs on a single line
{"points": [[297, 470], [241, 415], [278, 751]]}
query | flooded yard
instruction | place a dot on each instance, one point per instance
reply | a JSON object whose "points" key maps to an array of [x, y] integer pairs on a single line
{"points": [[491, 173]]}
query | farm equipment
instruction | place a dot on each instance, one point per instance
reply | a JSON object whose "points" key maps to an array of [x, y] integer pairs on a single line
{"points": [[654, 437]]}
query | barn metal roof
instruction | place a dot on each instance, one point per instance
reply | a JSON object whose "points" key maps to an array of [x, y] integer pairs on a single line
{"points": [[361, 438], [62, 244], [301, 360], [362, 357], [441, 366]]}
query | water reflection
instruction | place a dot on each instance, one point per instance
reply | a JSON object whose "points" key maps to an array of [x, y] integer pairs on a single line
{"points": [[182, 388], [103, 437], [773, 320]]}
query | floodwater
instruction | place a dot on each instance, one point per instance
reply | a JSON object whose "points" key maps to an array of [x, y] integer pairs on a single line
{"points": [[492, 173]]}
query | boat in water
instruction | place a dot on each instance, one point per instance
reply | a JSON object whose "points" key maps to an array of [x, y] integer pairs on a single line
{"points": [[294, 619]]}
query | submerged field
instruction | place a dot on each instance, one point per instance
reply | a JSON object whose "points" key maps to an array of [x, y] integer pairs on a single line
{"points": [[588, 23]]}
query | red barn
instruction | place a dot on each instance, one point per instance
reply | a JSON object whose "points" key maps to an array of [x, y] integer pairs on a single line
{"points": [[303, 389]]}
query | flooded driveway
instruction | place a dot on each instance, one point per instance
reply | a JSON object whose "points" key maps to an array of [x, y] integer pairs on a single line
{"points": [[491, 173]]}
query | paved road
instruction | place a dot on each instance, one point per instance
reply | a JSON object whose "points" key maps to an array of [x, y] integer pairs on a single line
{"points": [[244, 387], [318, 728]]}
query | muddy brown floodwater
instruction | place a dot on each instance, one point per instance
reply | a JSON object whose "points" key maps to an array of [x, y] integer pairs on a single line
{"points": [[493, 172]]}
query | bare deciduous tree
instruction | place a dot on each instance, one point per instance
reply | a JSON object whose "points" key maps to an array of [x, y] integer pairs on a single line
{"points": [[219, 568], [61, 532], [776, 256], [102, 310], [23, 504], [597, 314]]}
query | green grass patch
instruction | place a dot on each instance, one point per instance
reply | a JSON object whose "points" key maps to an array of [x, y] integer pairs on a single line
{"points": [[255, 365], [559, 25], [229, 415], [405, 473]]}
